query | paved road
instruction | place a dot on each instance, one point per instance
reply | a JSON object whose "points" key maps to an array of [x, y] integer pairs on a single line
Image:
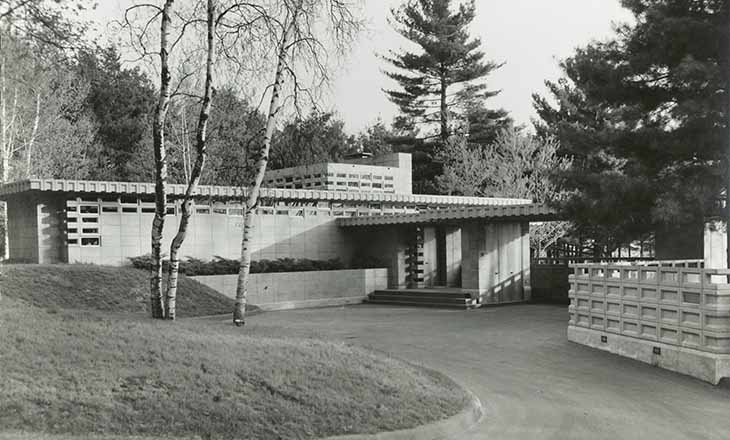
{"points": [[533, 383]]}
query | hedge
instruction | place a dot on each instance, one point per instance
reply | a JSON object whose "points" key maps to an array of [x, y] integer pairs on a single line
{"points": [[224, 266]]}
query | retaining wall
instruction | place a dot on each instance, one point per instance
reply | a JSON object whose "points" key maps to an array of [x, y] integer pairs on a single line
{"points": [[292, 290]]}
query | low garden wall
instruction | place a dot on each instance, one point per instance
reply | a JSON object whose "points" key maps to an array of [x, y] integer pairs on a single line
{"points": [[291, 290], [669, 314]]}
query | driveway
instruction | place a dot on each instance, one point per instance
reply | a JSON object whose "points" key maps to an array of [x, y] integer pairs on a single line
{"points": [[533, 383]]}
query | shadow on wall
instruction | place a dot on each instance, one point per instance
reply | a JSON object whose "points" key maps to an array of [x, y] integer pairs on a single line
{"points": [[509, 290]]}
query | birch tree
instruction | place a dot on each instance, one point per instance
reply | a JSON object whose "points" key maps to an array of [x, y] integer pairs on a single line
{"points": [[158, 145], [197, 169], [299, 44]]}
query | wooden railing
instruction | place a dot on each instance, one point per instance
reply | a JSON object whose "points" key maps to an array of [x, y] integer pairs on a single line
{"points": [[673, 302]]}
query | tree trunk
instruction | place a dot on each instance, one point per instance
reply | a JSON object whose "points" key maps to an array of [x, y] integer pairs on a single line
{"points": [[33, 134], [158, 139], [239, 310], [4, 154], [200, 147], [726, 75], [444, 110]]}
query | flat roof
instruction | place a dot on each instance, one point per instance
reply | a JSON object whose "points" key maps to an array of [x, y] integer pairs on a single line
{"points": [[178, 190], [525, 212]]}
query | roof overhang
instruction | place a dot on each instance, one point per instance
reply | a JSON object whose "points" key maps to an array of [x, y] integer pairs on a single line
{"points": [[527, 212], [231, 192]]}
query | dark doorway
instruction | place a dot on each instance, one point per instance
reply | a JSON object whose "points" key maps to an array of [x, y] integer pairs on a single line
{"points": [[441, 256]]}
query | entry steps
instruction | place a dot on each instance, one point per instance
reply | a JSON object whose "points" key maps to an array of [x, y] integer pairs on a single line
{"points": [[431, 297]]}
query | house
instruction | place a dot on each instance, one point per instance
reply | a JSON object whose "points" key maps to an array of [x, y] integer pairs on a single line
{"points": [[362, 208]]}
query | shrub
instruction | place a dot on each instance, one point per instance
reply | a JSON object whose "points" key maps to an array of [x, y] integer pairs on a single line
{"points": [[368, 262], [224, 266]]}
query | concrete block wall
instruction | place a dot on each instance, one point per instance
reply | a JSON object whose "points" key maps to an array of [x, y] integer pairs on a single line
{"points": [[389, 244], [37, 229], [51, 230], [453, 255], [23, 228], [495, 262], [715, 244], [125, 235], [280, 291], [685, 307], [393, 171]]}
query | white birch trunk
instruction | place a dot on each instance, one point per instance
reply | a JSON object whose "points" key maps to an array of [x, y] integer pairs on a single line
{"points": [[239, 310], [200, 146], [4, 156], [33, 134], [158, 135]]}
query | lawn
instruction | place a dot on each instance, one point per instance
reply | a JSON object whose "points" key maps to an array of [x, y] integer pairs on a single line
{"points": [[100, 373], [104, 288]]}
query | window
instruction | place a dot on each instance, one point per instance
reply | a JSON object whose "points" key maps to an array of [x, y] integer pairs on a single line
{"points": [[90, 220], [341, 184], [219, 211], [170, 210], [388, 177], [73, 241], [235, 211], [354, 176], [204, 210], [72, 230], [342, 175], [89, 209], [109, 209], [71, 209], [91, 241], [377, 185], [129, 209], [90, 230], [289, 179], [355, 184], [365, 176], [148, 210], [282, 212], [377, 177], [72, 219]]}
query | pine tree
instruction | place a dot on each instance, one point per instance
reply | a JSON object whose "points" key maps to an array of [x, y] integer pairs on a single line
{"points": [[645, 117], [441, 81]]}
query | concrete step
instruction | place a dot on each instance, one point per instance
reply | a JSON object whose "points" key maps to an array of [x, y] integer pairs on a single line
{"points": [[423, 298], [386, 296], [435, 303], [424, 293]]}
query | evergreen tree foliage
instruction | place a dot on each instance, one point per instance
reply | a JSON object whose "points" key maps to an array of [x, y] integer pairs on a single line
{"points": [[318, 137], [437, 83], [644, 116], [376, 139], [442, 84], [122, 100]]}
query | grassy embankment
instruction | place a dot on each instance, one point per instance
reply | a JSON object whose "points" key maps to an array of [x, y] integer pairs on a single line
{"points": [[84, 360]]}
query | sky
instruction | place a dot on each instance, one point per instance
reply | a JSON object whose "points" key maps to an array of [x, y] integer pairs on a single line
{"points": [[529, 36]]}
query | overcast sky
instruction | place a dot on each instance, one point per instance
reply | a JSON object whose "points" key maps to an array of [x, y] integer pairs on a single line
{"points": [[530, 36]]}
